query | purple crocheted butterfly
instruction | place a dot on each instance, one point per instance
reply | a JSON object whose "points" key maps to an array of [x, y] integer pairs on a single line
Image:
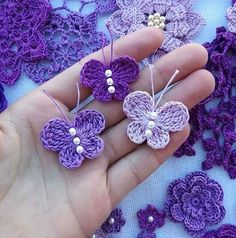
{"points": [[151, 123], [74, 141], [112, 80]]}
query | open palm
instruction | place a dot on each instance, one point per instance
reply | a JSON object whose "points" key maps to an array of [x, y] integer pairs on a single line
{"points": [[39, 197]]}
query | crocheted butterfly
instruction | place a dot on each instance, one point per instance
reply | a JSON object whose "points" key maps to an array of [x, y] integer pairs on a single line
{"points": [[151, 123], [74, 140], [110, 81]]}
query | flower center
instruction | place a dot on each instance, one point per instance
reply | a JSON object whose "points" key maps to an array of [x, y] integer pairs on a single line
{"points": [[111, 221], [157, 20], [150, 219], [76, 140], [111, 89], [195, 201]]}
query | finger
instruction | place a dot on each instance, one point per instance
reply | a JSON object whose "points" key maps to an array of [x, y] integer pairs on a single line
{"points": [[137, 45], [187, 59], [190, 91]]}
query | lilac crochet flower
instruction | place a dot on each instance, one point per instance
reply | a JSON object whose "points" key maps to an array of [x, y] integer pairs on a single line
{"points": [[69, 39], [177, 19], [217, 113], [145, 234], [21, 40], [75, 141], [114, 222], [3, 100], [150, 218], [225, 231], [231, 17], [110, 81], [196, 201], [151, 123]]}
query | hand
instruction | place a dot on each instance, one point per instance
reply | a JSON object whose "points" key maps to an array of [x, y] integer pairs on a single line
{"points": [[40, 198]]}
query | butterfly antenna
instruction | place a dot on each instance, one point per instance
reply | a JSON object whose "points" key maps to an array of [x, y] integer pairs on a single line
{"points": [[150, 66], [112, 42], [54, 101], [166, 87], [78, 96], [103, 45]]}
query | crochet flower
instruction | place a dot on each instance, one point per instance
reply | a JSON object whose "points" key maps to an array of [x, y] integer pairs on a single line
{"points": [[175, 17], [75, 141], [99, 234], [225, 231], [3, 100], [145, 234], [111, 81], [153, 124], [21, 40], [114, 222], [69, 39], [231, 17], [196, 201]]}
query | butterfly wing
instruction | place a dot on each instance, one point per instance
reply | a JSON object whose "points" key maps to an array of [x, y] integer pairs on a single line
{"points": [[55, 134]]}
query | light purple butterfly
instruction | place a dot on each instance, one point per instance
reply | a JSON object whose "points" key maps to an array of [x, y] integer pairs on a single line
{"points": [[151, 123]]}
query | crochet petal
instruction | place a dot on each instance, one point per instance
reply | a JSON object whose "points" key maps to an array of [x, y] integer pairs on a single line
{"points": [[162, 6], [93, 146], [192, 224], [176, 13], [100, 92], [178, 28], [136, 132], [173, 116], [215, 213], [137, 105], [170, 43], [55, 134], [124, 69], [177, 212], [124, 4], [69, 158], [195, 23], [187, 3], [122, 90], [159, 139], [89, 123], [134, 16], [93, 73]]}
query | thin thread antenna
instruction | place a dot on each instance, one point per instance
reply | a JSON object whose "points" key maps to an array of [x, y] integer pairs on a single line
{"points": [[103, 45], [78, 98], [150, 66], [112, 42], [166, 87], [54, 101]]}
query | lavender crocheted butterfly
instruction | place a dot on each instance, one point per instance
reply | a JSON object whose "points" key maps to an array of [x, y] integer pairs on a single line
{"points": [[110, 81], [151, 123], [74, 141]]}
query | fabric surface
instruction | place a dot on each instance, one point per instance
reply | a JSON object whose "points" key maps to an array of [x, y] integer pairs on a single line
{"points": [[154, 189]]}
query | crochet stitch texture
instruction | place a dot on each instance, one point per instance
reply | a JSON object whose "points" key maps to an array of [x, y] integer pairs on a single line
{"points": [[225, 231]]}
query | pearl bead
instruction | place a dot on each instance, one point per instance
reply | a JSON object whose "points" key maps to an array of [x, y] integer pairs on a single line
{"points": [[153, 115], [150, 17], [151, 124], [79, 149], [157, 15], [93, 236], [156, 22], [150, 219], [76, 140], [108, 73], [162, 25], [110, 81], [162, 19], [72, 131], [148, 133], [111, 89], [111, 221], [150, 23]]}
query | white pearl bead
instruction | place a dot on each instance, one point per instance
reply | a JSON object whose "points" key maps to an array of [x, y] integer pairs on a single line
{"points": [[111, 89], [108, 73], [110, 81], [79, 149], [162, 19], [151, 124], [157, 15], [72, 131], [150, 23], [93, 236], [162, 25], [76, 140], [156, 22], [150, 17], [111, 221], [148, 133], [150, 219], [153, 115]]}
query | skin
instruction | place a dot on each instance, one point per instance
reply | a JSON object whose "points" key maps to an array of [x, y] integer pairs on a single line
{"points": [[40, 198]]}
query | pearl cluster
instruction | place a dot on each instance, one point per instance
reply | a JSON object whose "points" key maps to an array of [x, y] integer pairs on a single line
{"points": [[150, 125], [157, 20], [111, 88], [76, 140]]}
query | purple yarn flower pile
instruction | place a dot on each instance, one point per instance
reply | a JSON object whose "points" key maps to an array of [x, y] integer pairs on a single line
{"points": [[21, 39], [218, 112], [149, 220], [225, 231], [196, 201], [3, 100], [175, 17]]}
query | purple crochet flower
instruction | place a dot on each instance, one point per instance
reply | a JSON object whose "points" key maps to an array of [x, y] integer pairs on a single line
{"points": [[225, 231], [150, 218], [69, 39], [231, 17], [99, 234], [110, 81], [145, 234], [21, 22], [114, 222], [177, 19], [196, 201], [3, 100], [75, 141]]}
